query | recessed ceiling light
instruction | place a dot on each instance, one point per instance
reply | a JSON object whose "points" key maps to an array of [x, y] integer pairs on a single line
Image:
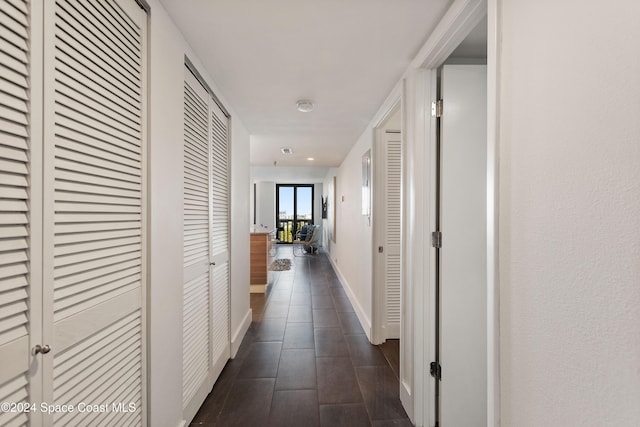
{"points": [[305, 105], [286, 150], [310, 159]]}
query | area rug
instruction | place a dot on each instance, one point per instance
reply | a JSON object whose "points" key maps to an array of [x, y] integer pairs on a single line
{"points": [[283, 264]]}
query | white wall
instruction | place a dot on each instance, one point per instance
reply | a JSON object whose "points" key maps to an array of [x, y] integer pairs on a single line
{"points": [[317, 203], [167, 50], [266, 201], [351, 252], [570, 213], [266, 204], [289, 174]]}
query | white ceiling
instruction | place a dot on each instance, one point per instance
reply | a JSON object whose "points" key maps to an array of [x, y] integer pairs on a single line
{"points": [[344, 55]]}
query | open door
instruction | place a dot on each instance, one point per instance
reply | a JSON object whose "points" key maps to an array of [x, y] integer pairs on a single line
{"points": [[461, 333]]}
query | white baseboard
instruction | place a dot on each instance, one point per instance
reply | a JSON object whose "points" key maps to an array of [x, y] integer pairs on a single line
{"points": [[239, 334], [365, 322], [407, 401]]}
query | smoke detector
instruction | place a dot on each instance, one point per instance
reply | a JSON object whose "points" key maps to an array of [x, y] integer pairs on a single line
{"points": [[286, 150], [305, 105]]}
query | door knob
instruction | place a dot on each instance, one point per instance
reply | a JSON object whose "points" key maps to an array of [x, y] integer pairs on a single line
{"points": [[44, 349]]}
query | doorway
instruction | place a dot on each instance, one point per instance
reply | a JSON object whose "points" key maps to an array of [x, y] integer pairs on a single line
{"points": [[294, 209], [387, 228], [459, 240]]}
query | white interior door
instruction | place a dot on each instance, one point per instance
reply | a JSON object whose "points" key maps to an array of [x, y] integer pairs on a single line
{"points": [[463, 255], [94, 209], [392, 233]]}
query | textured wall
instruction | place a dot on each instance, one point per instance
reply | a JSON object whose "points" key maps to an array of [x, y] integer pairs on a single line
{"points": [[570, 213]]}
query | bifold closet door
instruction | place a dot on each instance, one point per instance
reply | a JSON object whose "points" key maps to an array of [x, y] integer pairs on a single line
{"points": [[20, 287], [94, 209], [206, 344]]}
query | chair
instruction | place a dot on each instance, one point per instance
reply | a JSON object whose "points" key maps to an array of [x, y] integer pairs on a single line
{"points": [[308, 244]]}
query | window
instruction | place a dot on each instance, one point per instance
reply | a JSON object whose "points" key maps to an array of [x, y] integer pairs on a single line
{"points": [[294, 208]]}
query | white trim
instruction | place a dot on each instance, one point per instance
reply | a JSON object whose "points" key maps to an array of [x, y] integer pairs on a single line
{"points": [[493, 207], [418, 226], [365, 322], [431, 206], [455, 25], [407, 400], [239, 334], [36, 200], [387, 109]]}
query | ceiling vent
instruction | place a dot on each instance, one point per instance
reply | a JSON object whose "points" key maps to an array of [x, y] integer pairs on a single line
{"points": [[286, 150]]}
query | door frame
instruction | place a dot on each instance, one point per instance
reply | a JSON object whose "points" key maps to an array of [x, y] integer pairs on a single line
{"points": [[420, 91]]}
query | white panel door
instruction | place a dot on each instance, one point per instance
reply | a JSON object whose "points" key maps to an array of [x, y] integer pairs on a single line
{"points": [[197, 376], [463, 255], [94, 209], [20, 289], [392, 233]]}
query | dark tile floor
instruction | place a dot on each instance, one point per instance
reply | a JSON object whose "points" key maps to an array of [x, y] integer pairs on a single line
{"points": [[306, 361]]}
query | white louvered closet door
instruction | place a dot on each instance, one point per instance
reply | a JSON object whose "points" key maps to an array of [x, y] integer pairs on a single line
{"points": [[392, 265], [197, 375], [94, 209], [220, 194], [20, 288]]}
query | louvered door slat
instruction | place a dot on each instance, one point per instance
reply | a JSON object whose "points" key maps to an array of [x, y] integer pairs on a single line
{"points": [[111, 28], [75, 74], [106, 33], [15, 238], [107, 368], [94, 173], [220, 193], [14, 21], [93, 50], [15, 390]]}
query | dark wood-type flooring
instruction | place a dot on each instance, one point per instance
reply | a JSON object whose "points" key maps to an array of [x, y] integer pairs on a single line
{"points": [[306, 361]]}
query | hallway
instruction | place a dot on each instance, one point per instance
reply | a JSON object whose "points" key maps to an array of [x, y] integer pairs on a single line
{"points": [[306, 361]]}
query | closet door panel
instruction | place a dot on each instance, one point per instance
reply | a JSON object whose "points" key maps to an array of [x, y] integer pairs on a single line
{"points": [[18, 289], [220, 236], [94, 251], [197, 378], [393, 263]]}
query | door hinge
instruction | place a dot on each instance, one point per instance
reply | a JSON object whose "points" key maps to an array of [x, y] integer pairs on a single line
{"points": [[380, 249], [436, 108], [436, 370], [436, 239]]}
